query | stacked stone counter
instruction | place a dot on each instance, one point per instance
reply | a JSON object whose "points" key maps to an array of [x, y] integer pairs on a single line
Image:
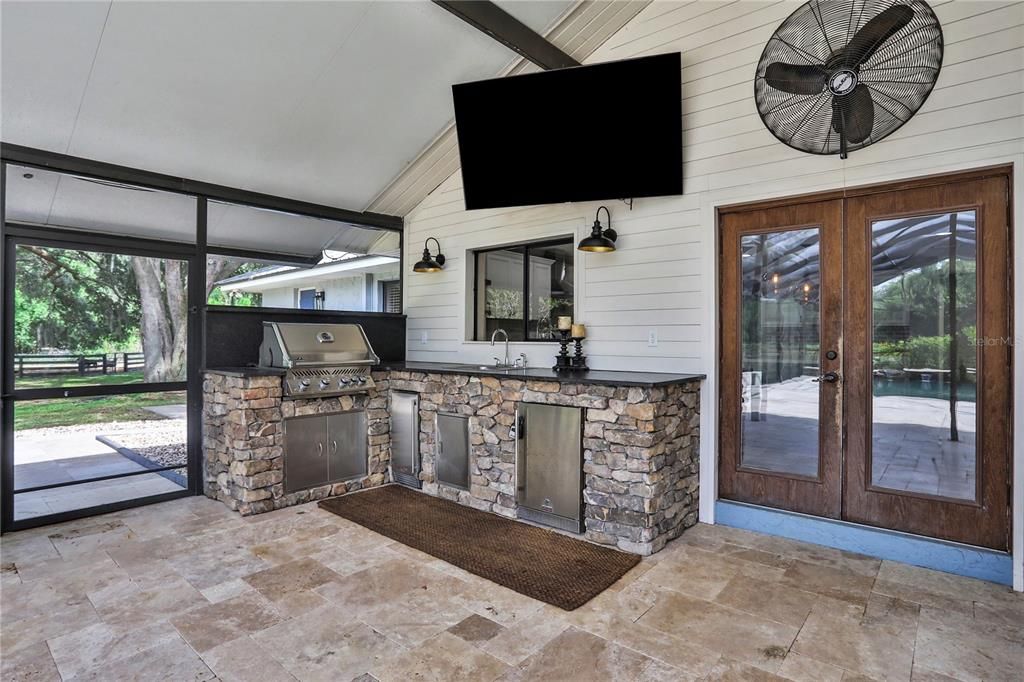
{"points": [[243, 439], [640, 450], [640, 444]]}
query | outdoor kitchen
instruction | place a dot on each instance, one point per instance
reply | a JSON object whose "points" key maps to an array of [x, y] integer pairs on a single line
{"points": [[611, 456]]}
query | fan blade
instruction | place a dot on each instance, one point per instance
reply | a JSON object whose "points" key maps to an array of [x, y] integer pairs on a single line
{"points": [[858, 111], [871, 36], [796, 79]]}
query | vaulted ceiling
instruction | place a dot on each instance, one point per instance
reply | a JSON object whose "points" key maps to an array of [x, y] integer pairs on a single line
{"points": [[325, 102]]}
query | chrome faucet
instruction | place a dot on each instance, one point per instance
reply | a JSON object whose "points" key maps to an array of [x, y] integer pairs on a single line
{"points": [[499, 362]]}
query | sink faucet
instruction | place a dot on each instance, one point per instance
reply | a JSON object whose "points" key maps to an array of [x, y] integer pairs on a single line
{"points": [[505, 333]]}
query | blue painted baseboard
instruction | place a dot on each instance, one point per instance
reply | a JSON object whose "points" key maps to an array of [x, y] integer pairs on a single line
{"points": [[950, 557]]}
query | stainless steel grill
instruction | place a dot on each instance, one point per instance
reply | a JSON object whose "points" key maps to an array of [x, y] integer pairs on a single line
{"points": [[322, 360]]}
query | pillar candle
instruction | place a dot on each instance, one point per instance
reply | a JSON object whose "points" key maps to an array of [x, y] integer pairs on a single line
{"points": [[564, 323], [579, 331]]}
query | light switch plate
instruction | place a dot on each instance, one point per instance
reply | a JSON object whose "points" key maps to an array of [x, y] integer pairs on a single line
{"points": [[424, 337], [652, 337]]}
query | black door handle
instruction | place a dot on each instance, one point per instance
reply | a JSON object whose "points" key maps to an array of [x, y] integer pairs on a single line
{"points": [[829, 377]]}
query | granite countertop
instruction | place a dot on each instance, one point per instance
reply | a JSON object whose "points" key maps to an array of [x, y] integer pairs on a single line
{"points": [[247, 371], [594, 376]]}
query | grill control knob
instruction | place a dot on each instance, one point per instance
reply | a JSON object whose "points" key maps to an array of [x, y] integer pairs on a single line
{"points": [[343, 381], [303, 385], [324, 383], [361, 380]]}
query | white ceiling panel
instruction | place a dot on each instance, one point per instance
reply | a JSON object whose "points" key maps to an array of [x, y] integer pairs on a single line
{"points": [[319, 101], [256, 229], [47, 50], [200, 89], [539, 15], [67, 201], [383, 97]]}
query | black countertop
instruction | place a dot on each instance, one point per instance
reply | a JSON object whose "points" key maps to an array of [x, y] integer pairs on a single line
{"points": [[247, 371], [594, 376]]}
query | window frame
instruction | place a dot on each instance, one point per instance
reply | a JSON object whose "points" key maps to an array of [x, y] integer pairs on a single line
{"points": [[524, 248]]}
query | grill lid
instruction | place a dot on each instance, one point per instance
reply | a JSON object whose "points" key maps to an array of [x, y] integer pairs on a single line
{"points": [[293, 344]]}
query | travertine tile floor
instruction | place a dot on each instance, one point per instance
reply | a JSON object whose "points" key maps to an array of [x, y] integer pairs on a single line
{"points": [[186, 590]]}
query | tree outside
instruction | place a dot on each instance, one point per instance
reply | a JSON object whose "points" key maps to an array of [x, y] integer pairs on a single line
{"points": [[82, 302]]}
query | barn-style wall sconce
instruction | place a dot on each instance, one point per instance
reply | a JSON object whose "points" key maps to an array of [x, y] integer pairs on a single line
{"points": [[430, 263], [600, 240]]}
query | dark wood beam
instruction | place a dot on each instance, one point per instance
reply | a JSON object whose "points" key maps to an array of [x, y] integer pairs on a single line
{"points": [[509, 31]]}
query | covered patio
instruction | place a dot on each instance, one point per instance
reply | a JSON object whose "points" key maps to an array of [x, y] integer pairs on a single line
{"points": [[554, 340], [186, 589]]}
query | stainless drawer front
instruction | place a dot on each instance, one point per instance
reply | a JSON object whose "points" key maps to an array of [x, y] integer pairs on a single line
{"points": [[346, 435], [452, 461], [305, 452], [405, 434]]}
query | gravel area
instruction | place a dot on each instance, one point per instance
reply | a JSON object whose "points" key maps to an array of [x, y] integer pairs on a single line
{"points": [[162, 441]]}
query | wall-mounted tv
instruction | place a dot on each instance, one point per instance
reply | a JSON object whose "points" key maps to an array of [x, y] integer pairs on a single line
{"points": [[603, 131]]}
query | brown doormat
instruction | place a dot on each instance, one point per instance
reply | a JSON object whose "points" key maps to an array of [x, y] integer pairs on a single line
{"points": [[533, 561]]}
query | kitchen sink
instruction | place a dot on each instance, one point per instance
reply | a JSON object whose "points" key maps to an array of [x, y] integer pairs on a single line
{"points": [[485, 368]]}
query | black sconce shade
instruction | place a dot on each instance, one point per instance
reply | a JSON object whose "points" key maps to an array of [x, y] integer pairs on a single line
{"points": [[430, 263], [600, 240]]}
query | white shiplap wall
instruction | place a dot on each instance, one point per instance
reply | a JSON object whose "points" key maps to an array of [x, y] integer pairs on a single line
{"points": [[663, 274]]}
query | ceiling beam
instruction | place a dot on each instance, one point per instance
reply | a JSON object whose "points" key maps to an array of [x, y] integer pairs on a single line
{"points": [[509, 31]]}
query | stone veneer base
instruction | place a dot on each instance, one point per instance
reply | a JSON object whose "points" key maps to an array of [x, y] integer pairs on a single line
{"points": [[640, 447]]}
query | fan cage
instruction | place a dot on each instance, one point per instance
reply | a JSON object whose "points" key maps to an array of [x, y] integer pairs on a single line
{"points": [[899, 75]]}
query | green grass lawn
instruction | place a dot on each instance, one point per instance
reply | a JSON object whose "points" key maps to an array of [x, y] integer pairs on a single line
{"points": [[73, 380], [37, 414]]}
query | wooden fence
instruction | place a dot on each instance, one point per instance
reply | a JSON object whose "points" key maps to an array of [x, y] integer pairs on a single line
{"points": [[90, 363]]}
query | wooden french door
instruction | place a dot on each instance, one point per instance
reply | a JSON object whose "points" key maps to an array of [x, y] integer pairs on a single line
{"points": [[865, 357]]}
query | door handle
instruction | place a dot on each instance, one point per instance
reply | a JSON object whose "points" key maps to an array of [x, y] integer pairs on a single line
{"points": [[320, 449], [828, 377], [334, 447]]}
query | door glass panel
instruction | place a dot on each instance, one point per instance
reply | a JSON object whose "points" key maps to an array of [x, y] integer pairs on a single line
{"points": [[779, 346], [74, 440], [924, 350], [86, 318]]}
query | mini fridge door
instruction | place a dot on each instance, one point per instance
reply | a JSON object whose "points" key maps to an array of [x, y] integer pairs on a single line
{"points": [[550, 466]]}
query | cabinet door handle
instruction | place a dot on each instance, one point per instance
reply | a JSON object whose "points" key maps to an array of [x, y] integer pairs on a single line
{"points": [[320, 449], [334, 447]]}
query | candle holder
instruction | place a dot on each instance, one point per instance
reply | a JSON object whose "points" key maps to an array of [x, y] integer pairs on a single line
{"points": [[578, 362], [563, 363]]}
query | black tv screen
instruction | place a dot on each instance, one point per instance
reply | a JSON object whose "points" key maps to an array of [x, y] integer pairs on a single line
{"points": [[606, 131]]}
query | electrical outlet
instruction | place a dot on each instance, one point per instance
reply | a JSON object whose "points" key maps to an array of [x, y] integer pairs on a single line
{"points": [[652, 337], [424, 337]]}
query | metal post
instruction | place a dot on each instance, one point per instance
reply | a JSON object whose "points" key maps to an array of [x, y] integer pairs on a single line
{"points": [[954, 359]]}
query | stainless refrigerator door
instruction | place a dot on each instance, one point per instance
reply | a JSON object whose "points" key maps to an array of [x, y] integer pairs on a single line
{"points": [[346, 442], [405, 437], [551, 459], [452, 461], [305, 452]]}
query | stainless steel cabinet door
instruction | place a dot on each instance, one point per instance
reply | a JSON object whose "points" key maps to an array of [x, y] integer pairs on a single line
{"points": [[452, 461], [551, 459], [305, 452], [346, 445], [405, 437]]}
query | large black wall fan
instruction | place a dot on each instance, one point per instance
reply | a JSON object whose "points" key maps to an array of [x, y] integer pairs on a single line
{"points": [[839, 75]]}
